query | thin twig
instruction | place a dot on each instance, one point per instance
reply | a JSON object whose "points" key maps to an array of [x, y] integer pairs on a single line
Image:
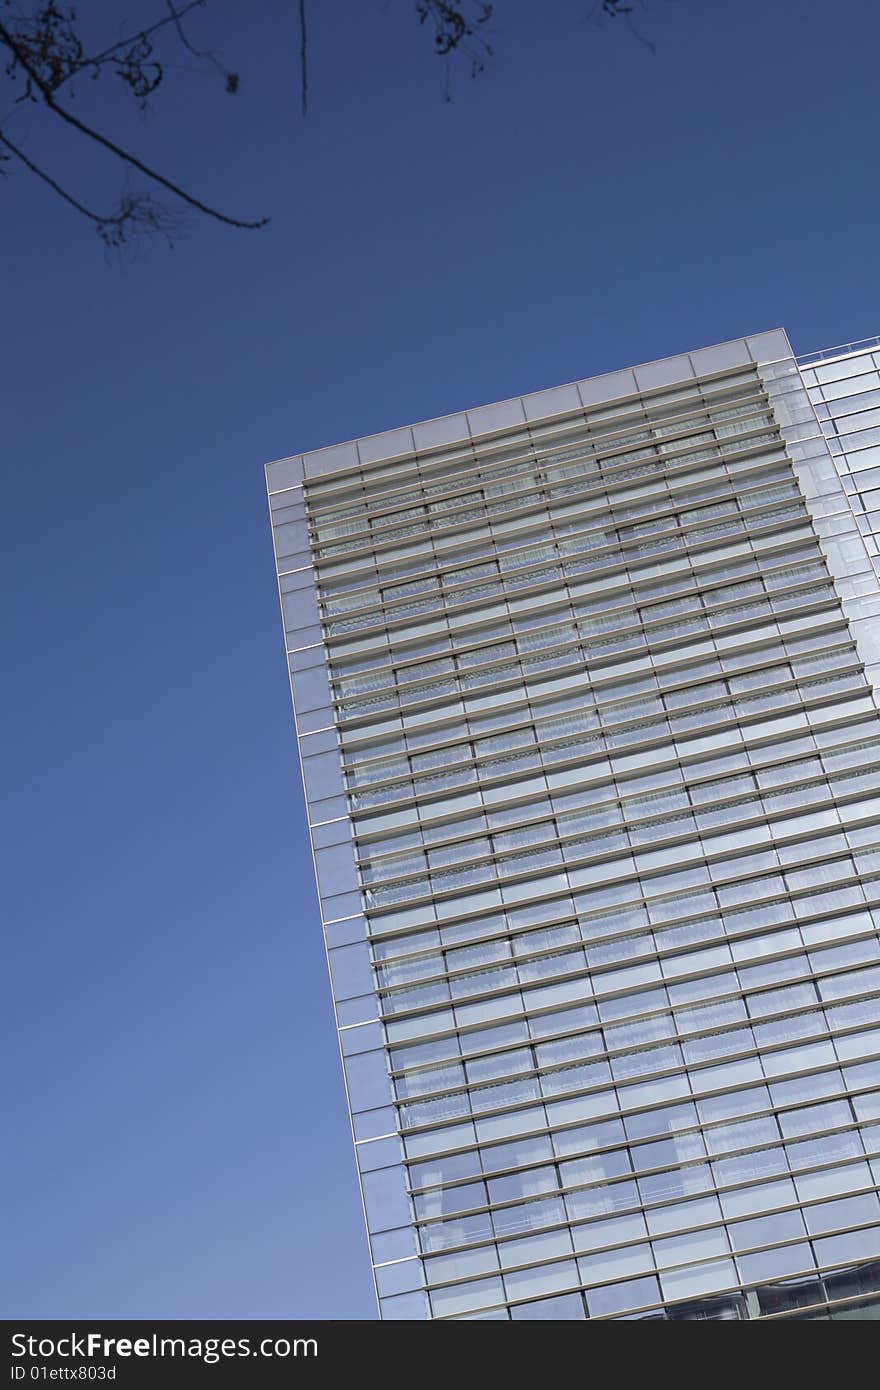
{"points": [[303, 45], [132, 38], [47, 178], [176, 17], [107, 144]]}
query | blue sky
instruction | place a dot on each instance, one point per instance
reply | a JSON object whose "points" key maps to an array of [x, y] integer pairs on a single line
{"points": [[178, 1140]]}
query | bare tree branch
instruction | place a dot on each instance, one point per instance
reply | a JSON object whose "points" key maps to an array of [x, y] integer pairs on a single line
{"points": [[46, 90], [108, 54], [230, 78], [134, 213], [45, 54], [303, 43], [621, 9], [457, 27]]}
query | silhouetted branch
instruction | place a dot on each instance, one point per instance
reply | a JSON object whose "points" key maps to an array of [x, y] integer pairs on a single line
{"points": [[231, 79], [621, 9], [44, 54], [303, 44], [135, 214], [458, 28], [46, 51], [178, 13]]}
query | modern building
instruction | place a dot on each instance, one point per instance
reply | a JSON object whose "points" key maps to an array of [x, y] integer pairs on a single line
{"points": [[585, 687]]}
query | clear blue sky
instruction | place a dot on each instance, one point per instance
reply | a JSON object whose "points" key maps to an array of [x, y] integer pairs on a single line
{"points": [[178, 1145]]}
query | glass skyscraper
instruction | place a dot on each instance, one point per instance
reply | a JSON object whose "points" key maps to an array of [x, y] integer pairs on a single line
{"points": [[585, 688]]}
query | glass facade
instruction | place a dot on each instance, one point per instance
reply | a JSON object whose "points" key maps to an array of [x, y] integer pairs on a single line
{"points": [[584, 689], [844, 388]]}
